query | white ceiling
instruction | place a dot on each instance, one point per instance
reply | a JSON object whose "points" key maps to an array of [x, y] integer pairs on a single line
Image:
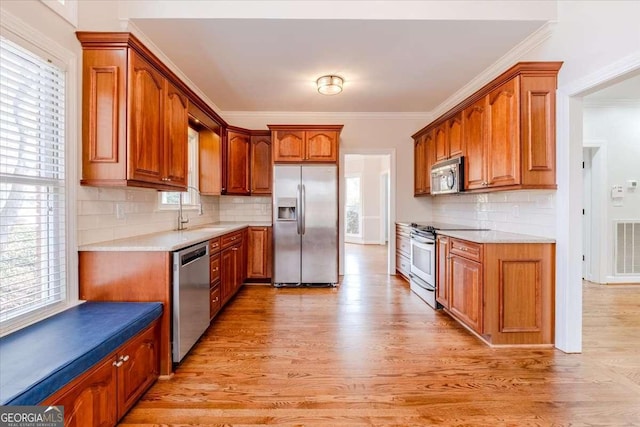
{"points": [[387, 65]]}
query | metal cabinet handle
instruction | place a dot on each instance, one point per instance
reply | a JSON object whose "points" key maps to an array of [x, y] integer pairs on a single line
{"points": [[118, 363], [124, 358], [215, 300], [215, 269]]}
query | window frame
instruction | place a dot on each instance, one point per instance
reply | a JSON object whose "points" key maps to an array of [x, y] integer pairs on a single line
{"points": [[36, 42]]}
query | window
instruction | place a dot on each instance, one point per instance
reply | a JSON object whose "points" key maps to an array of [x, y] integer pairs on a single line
{"points": [[33, 233], [353, 206], [190, 200]]}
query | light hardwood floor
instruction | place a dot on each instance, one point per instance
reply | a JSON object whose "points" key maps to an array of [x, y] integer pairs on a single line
{"points": [[372, 353]]}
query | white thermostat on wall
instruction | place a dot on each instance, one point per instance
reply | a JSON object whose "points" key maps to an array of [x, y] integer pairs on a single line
{"points": [[632, 184], [617, 192]]}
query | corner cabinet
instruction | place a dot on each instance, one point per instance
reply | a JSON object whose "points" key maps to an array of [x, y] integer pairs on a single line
{"points": [[503, 292], [305, 143], [134, 118], [505, 131]]}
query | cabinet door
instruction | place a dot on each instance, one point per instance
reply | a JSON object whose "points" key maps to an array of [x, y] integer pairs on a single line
{"points": [[92, 401], [214, 301], [227, 273], [139, 368], [442, 144], [210, 159], [466, 291], [443, 281], [239, 266], [259, 259], [321, 146], [261, 170], [475, 140], [503, 141], [176, 135], [430, 159], [288, 146], [420, 164], [238, 145], [454, 135], [146, 148]]}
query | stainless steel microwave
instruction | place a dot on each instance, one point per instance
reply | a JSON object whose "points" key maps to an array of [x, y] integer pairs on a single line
{"points": [[447, 176]]}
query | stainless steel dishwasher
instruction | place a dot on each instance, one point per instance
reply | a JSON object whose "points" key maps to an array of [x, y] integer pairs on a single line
{"points": [[190, 297]]}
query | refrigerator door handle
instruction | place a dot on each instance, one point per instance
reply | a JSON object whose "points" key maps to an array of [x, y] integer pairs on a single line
{"points": [[299, 210], [304, 202]]}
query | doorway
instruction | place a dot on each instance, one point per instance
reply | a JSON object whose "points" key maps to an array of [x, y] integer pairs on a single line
{"points": [[366, 213]]}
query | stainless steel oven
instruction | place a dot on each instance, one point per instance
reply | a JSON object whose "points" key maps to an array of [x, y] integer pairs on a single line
{"points": [[423, 265]]}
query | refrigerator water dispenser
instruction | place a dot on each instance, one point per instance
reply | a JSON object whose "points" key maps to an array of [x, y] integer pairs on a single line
{"points": [[287, 209]]}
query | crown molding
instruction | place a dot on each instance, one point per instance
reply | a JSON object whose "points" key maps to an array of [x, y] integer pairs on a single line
{"points": [[131, 27], [329, 114], [497, 68], [589, 84]]}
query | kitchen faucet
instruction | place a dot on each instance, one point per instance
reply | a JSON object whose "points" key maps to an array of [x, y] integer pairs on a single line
{"points": [[181, 219]]}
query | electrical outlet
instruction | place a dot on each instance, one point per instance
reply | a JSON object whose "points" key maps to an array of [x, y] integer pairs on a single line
{"points": [[120, 211]]}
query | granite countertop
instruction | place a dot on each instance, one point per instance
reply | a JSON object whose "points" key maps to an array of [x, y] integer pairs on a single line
{"points": [[167, 241], [492, 236]]}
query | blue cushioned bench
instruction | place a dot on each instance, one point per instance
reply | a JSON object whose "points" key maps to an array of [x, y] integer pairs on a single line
{"points": [[40, 359]]}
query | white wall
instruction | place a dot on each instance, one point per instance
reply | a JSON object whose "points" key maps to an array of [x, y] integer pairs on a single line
{"points": [[618, 126]]}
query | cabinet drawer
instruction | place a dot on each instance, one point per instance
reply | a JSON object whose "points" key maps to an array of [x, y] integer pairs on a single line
{"points": [[403, 246], [214, 301], [403, 265], [214, 268], [231, 239], [214, 245], [466, 249], [403, 230]]}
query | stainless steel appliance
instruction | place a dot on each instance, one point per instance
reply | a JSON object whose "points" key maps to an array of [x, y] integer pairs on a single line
{"points": [[424, 278], [447, 176], [305, 225], [190, 297]]}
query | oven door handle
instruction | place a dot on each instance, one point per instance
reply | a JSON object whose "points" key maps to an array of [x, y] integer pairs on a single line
{"points": [[422, 240]]}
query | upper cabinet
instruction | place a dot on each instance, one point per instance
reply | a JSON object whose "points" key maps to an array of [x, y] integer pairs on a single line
{"points": [[261, 169], [135, 120], [135, 116], [305, 143], [237, 154], [425, 158], [505, 131]]}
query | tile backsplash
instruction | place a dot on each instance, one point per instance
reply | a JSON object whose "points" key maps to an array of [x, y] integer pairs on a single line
{"points": [[525, 211], [116, 213], [242, 208]]}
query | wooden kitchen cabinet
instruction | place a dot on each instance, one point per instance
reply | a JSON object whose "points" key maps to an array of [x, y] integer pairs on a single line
{"points": [[305, 143], [443, 271], [420, 167], [259, 261], [503, 292], [465, 291], [103, 395], [505, 131], [134, 118], [403, 250], [261, 164], [209, 151], [232, 264], [238, 167]]}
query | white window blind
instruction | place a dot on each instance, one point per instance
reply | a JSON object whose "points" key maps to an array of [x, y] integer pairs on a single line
{"points": [[32, 185]]}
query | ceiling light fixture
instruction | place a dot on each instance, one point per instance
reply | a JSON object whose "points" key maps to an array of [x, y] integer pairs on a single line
{"points": [[330, 85]]}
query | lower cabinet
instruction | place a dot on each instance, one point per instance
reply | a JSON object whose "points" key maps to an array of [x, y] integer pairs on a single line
{"points": [[232, 266], [104, 394], [259, 242], [403, 250], [504, 292]]}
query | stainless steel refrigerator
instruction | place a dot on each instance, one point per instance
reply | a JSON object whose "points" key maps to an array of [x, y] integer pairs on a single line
{"points": [[305, 225]]}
